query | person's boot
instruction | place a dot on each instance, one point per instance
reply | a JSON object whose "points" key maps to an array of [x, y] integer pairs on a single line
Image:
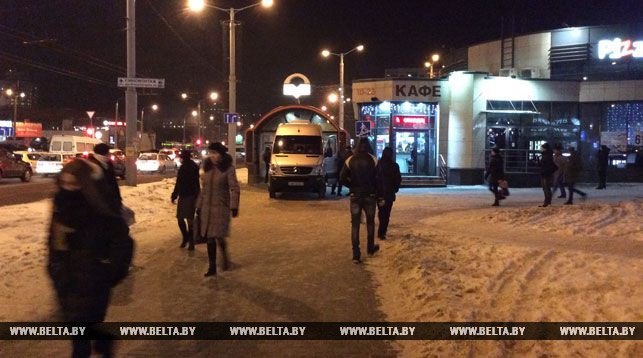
{"points": [[496, 203], [375, 249], [184, 242], [225, 265], [212, 259], [190, 241], [562, 196]]}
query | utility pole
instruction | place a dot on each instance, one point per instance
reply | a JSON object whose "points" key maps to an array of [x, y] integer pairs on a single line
{"points": [[130, 97], [232, 90], [198, 120], [341, 90]]}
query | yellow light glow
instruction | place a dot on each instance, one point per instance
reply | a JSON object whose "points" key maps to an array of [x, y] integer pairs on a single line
{"points": [[427, 64], [196, 5], [184, 95], [22, 95], [325, 53], [155, 107], [332, 98], [9, 92], [194, 113], [324, 108], [214, 95], [267, 3], [360, 48], [435, 58]]}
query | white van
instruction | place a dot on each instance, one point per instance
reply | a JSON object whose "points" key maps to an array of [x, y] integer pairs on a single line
{"points": [[72, 144], [296, 162]]}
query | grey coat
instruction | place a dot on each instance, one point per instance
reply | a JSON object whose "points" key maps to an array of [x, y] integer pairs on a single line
{"points": [[220, 194]]}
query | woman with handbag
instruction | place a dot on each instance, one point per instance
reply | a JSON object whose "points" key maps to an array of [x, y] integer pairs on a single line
{"points": [[494, 174], [217, 202]]}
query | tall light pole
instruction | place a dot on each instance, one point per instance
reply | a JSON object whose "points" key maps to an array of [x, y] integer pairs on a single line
{"points": [[429, 64], [199, 5], [131, 106], [16, 97], [342, 97]]}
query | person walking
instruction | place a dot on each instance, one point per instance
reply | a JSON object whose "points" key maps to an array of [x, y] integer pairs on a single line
{"points": [[360, 176], [547, 170], [187, 190], [389, 180], [495, 173], [342, 158], [101, 158], [90, 252], [601, 165], [559, 175], [218, 200], [267, 153], [573, 172], [330, 169]]}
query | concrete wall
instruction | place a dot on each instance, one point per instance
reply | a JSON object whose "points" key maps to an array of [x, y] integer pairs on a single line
{"points": [[532, 51], [515, 89], [485, 57], [611, 91]]}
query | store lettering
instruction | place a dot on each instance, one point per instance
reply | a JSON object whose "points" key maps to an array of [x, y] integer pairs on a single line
{"points": [[365, 91], [617, 48], [413, 91]]}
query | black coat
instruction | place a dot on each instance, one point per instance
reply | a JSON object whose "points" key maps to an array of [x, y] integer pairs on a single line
{"points": [[187, 180], [389, 179], [495, 170], [602, 158], [89, 251], [359, 174], [547, 165], [112, 192]]}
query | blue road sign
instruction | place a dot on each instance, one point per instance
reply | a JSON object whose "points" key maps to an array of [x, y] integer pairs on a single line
{"points": [[362, 128], [231, 117]]}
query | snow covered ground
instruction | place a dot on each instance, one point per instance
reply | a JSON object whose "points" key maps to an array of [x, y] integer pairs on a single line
{"points": [[449, 257]]}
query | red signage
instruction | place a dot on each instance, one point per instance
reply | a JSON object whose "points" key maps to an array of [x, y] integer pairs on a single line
{"points": [[411, 121], [28, 130]]}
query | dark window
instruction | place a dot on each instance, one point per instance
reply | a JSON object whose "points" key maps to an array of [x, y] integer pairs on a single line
{"points": [[297, 145]]}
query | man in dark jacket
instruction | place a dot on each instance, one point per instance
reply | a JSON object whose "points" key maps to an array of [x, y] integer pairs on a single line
{"points": [[341, 158], [267, 153], [602, 160], [547, 170], [111, 190], [90, 251], [389, 180], [360, 176], [495, 172], [572, 173], [186, 189]]}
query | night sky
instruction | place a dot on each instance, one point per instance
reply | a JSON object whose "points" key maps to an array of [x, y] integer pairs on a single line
{"points": [[186, 49]]}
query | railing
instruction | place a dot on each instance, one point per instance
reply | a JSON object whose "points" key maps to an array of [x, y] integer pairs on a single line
{"points": [[443, 168], [518, 161]]}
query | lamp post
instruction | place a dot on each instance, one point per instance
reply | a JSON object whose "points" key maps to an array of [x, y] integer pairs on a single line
{"points": [[199, 5], [341, 55], [429, 64], [154, 108], [16, 96], [197, 114]]}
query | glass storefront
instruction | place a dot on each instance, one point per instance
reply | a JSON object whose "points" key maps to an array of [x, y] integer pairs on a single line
{"points": [[409, 129]]}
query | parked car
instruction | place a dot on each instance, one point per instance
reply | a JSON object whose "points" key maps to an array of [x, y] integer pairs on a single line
{"points": [[12, 166], [118, 159], [153, 162], [30, 157]]}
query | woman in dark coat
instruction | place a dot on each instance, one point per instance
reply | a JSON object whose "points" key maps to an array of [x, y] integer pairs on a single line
{"points": [[389, 180], [572, 173], [218, 200], [89, 250], [186, 190], [495, 173], [547, 170]]}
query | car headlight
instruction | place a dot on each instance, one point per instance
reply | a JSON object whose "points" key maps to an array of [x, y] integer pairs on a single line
{"points": [[317, 170]]}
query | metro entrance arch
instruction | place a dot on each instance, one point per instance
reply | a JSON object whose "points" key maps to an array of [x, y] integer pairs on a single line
{"points": [[263, 133]]}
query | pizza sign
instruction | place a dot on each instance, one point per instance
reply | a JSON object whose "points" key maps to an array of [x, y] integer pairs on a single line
{"points": [[616, 49]]}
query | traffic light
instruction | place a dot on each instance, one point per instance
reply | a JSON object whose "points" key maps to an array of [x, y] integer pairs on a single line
{"points": [[90, 131], [198, 142]]}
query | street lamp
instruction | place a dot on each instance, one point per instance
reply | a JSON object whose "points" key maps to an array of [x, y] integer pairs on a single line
{"points": [[154, 108], [199, 5], [429, 64], [11, 94], [332, 98], [214, 95], [327, 53]]}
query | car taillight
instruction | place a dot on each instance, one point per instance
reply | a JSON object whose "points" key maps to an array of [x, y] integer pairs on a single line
{"points": [[113, 158]]}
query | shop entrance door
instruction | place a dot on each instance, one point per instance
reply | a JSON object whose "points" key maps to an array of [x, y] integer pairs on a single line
{"points": [[413, 152]]}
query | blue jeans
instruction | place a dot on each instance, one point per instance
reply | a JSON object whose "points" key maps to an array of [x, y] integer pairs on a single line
{"points": [[367, 204]]}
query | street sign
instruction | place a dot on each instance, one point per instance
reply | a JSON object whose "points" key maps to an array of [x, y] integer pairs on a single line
{"points": [[363, 128], [231, 117], [90, 114], [141, 82]]}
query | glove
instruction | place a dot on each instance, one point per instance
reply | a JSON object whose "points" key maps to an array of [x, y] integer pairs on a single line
{"points": [[235, 212], [174, 196]]}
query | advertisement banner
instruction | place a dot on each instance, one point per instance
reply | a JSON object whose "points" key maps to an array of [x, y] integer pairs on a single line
{"points": [[28, 130], [615, 141]]}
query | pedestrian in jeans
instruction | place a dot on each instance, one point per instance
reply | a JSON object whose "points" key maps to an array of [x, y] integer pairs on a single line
{"points": [[187, 190], [559, 175], [602, 161], [389, 180], [360, 176], [218, 200], [574, 170], [495, 173], [547, 170]]}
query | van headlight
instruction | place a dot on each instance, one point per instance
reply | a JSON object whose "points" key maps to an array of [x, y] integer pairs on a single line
{"points": [[317, 170]]}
